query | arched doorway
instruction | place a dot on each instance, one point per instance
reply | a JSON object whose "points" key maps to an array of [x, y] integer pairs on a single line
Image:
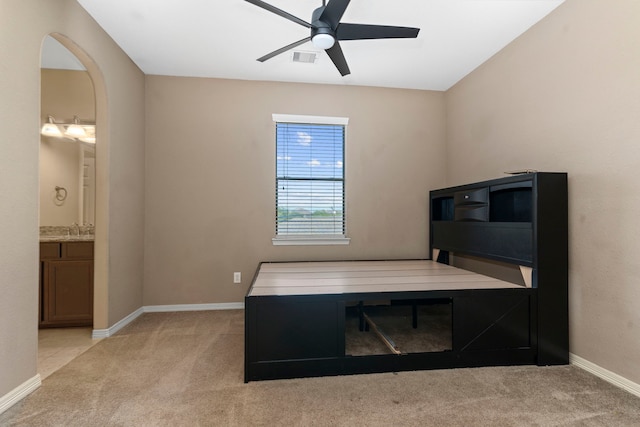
{"points": [[98, 215]]}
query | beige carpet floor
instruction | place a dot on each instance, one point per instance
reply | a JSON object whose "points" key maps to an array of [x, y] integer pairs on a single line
{"points": [[186, 369]]}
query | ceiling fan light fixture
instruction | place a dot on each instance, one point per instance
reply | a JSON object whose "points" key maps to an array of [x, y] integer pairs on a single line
{"points": [[323, 41]]}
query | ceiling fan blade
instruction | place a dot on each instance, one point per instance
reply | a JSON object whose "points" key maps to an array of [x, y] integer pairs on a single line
{"points": [[333, 12], [280, 12], [336, 55], [283, 49], [363, 32]]}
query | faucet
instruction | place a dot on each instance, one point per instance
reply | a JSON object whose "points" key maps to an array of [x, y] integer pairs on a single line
{"points": [[77, 227], [87, 228]]}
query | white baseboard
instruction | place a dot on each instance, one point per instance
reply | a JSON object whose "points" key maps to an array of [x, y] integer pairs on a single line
{"points": [[104, 333], [605, 374], [193, 307], [19, 393]]}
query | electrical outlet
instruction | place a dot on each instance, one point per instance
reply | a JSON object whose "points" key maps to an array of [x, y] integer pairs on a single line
{"points": [[237, 277]]}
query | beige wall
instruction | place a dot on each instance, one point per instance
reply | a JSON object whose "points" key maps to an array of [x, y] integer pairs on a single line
{"points": [[565, 96], [64, 94], [210, 200], [59, 167], [120, 110]]}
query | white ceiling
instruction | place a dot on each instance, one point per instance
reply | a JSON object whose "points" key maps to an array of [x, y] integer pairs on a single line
{"points": [[223, 38]]}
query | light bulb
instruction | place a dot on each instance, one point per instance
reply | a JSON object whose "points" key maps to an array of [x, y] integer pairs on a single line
{"points": [[50, 129], [75, 131]]}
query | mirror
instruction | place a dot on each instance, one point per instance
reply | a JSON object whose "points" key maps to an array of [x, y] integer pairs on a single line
{"points": [[67, 164]]}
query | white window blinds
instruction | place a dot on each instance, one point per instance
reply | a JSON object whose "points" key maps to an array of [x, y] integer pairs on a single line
{"points": [[310, 180]]}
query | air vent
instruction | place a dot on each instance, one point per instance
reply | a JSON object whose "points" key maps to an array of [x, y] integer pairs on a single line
{"points": [[305, 57]]}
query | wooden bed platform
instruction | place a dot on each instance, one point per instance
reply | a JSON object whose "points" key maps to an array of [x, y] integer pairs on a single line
{"points": [[353, 277], [299, 316]]}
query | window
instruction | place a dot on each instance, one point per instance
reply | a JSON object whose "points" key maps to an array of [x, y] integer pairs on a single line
{"points": [[310, 202]]}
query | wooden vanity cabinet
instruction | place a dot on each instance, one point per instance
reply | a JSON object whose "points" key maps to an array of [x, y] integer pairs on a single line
{"points": [[66, 284]]}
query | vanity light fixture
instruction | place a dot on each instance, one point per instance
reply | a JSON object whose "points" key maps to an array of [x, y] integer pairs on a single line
{"points": [[77, 131], [50, 128], [91, 135]]}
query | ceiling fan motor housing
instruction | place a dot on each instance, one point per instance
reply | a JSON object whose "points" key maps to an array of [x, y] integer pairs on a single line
{"points": [[320, 27]]}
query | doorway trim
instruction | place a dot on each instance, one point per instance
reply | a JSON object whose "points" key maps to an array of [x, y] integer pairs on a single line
{"points": [[101, 242]]}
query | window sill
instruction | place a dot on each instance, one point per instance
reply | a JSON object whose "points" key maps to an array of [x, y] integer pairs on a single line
{"points": [[309, 240]]}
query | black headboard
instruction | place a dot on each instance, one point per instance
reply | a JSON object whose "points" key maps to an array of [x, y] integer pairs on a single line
{"points": [[512, 219]]}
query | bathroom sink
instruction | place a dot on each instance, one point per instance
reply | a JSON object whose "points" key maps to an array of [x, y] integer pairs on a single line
{"points": [[83, 238]]}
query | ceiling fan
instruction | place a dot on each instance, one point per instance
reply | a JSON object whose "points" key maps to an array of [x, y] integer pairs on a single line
{"points": [[327, 31]]}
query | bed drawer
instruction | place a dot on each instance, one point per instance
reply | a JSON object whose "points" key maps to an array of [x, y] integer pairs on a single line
{"points": [[479, 195]]}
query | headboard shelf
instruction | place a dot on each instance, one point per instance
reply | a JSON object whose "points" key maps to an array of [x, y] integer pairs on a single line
{"points": [[498, 219], [521, 220]]}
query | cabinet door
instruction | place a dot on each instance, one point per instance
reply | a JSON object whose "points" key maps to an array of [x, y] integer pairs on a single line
{"points": [[493, 320], [297, 329], [42, 295], [70, 293]]}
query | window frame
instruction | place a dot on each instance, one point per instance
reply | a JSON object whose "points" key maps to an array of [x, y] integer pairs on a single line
{"points": [[313, 239]]}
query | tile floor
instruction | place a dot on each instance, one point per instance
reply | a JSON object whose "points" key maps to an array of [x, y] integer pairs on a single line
{"points": [[58, 346]]}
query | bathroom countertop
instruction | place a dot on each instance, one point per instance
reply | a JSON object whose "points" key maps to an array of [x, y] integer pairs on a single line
{"points": [[85, 238]]}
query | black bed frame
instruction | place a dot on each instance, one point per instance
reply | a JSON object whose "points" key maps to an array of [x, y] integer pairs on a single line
{"points": [[520, 220]]}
